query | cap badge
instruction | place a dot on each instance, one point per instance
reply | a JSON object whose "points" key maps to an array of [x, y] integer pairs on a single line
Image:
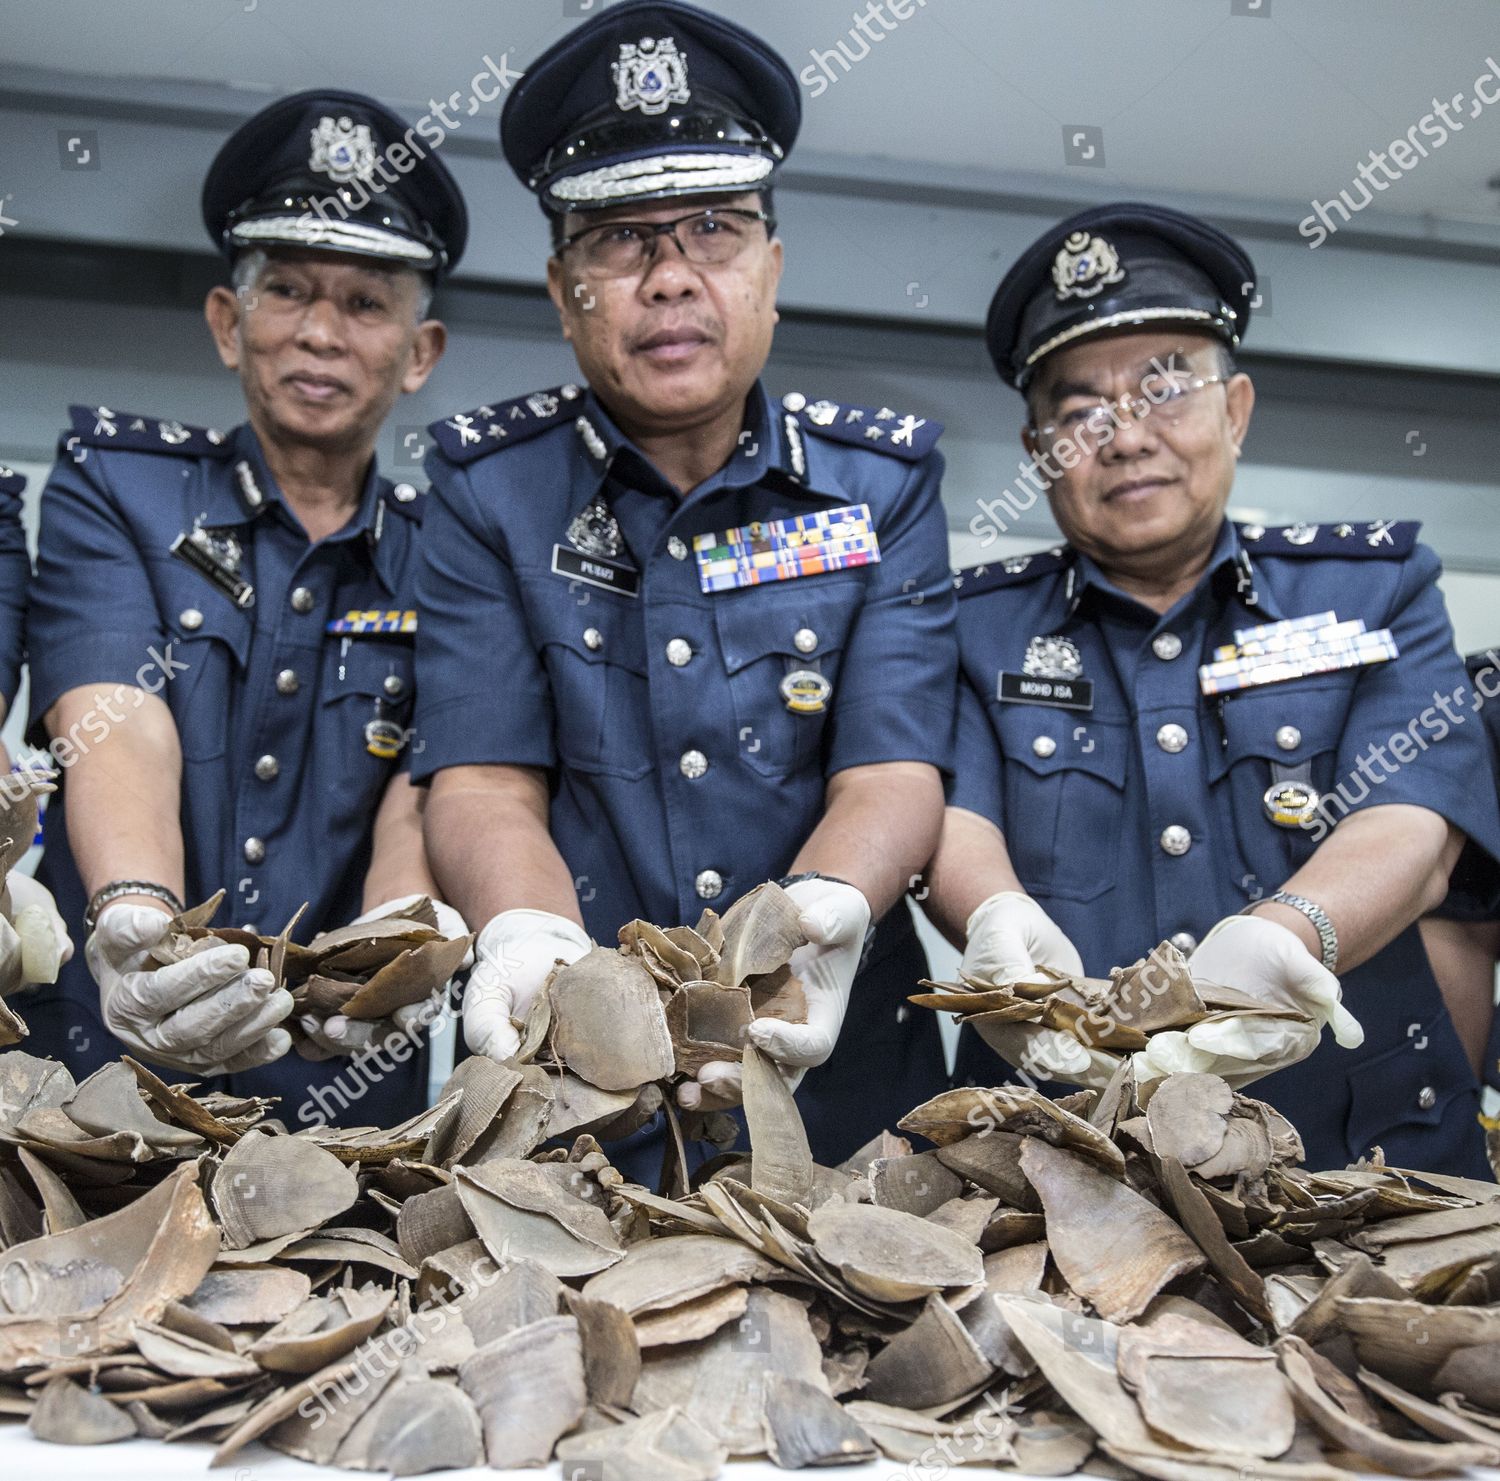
{"points": [[343, 150], [650, 75], [1052, 657], [1085, 265]]}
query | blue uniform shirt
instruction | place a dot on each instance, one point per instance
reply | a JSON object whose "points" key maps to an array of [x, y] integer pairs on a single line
{"points": [[15, 578], [681, 776], [1139, 813], [279, 781]]}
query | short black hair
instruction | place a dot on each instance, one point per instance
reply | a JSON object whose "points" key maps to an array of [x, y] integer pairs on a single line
{"points": [[555, 219]]}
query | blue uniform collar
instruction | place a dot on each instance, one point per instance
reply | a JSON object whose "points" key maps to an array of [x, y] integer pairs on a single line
{"points": [[771, 449], [241, 489], [1229, 574]]}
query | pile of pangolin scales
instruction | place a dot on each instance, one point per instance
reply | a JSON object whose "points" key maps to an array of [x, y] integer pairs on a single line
{"points": [[1127, 1280]]}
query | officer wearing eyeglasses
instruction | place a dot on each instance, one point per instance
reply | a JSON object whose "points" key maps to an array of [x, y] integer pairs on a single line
{"points": [[1228, 736], [679, 638]]}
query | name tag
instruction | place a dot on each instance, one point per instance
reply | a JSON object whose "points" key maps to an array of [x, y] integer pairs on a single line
{"points": [[1061, 694], [199, 551], [595, 570], [784, 549]]}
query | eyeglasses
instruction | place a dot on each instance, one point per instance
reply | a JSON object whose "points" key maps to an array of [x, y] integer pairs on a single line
{"points": [[619, 249], [1088, 426]]}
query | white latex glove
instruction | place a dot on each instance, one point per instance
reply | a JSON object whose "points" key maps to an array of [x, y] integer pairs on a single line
{"points": [[208, 1015], [834, 919], [1009, 936], [1042, 1053], [337, 1034], [515, 954], [45, 943], [1269, 962]]}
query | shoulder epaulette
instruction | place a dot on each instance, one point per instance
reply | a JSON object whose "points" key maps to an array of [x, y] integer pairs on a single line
{"points": [[468, 435], [98, 426], [405, 498], [11, 482], [1388, 538], [1013, 570], [882, 430]]}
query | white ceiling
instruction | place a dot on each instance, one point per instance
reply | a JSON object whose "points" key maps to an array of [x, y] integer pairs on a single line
{"points": [[1192, 98]]}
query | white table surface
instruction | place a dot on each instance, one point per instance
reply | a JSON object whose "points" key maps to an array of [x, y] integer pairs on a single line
{"points": [[24, 1458]]}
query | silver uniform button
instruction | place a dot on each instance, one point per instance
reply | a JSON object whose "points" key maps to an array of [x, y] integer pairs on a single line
{"points": [[693, 765], [1044, 746], [254, 851], [393, 684], [709, 884], [302, 599], [805, 640], [191, 618], [404, 493], [1176, 840], [593, 639], [1166, 646], [677, 547], [287, 682], [1184, 941], [1288, 737], [267, 768], [679, 652], [1426, 1098], [1172, 739]]}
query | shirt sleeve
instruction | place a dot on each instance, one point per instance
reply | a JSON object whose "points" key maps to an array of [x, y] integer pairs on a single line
{"points": [[978, 781], [15, 579], [895, 701], [93, 616], [1413, 733], [482, 692]]}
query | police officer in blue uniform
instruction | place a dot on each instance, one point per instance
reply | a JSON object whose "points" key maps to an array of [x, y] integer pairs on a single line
{"points": [[1171, 719], [1463, 935], [222, 625], [678, 637]]}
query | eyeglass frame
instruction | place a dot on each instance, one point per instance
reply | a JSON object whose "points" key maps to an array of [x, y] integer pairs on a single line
{"points": [[659, 229], [1138, 404]]}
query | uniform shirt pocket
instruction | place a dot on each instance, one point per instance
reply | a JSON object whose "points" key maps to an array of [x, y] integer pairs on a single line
{"points": [[768, 632], [366, 708], [1267, 735], [209, 646], [1064, 799], [596, 664]]}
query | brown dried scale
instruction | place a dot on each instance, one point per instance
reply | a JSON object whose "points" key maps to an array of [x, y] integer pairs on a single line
{"points": [[1129, 1281]]}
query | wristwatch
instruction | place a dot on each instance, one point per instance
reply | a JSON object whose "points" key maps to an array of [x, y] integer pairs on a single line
{"points": [[787, 879], [1328, 938]]}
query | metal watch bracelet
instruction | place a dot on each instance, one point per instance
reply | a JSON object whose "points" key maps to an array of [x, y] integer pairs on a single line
{"points": [[1328, 937], [118, 889]]}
